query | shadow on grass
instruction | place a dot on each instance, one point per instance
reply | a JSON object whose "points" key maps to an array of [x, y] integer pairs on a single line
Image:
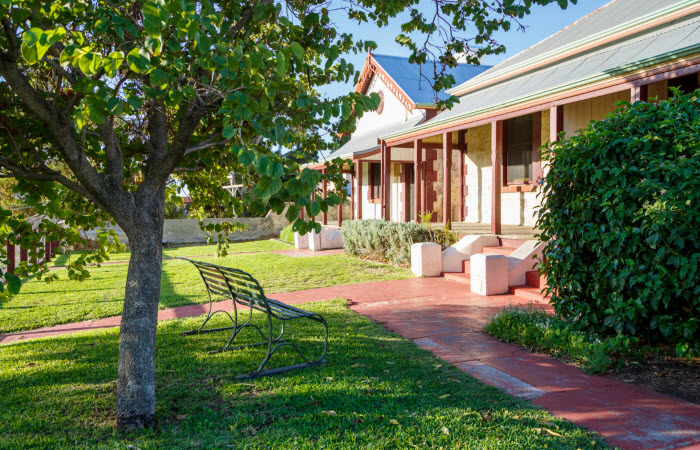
{"points": [[378, 389]]}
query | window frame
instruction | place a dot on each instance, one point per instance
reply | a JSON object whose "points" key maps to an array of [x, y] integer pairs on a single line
{"points": [[536, 135], [374, 183]]}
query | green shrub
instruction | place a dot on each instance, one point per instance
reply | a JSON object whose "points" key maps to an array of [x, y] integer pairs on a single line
{"points": [[287, 234], [539, 331], [621, 212], [381, 240]]}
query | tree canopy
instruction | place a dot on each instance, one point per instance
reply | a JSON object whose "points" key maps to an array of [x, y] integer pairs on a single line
{"points": [[132, 96]]}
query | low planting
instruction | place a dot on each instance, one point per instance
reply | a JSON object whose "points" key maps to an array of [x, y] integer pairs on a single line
{"points": [[381, 240], [43, 304], [621, 213], [543, 332], [378, 390], [287, 234]]}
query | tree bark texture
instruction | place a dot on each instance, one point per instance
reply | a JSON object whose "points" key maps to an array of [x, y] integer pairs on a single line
{"points": [[136, 386]]}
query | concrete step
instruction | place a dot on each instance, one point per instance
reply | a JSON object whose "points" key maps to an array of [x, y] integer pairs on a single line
{"points": [[509, 242], [500, 250], [528, 293], [535, 280], [466, 267], [463, 278]]}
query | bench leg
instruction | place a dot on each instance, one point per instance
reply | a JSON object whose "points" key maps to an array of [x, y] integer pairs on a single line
{"points": [[200, 330], [281, 343]]}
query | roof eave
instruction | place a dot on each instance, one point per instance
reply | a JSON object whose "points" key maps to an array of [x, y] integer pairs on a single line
{"points": [[672, 12], [621, 70]]}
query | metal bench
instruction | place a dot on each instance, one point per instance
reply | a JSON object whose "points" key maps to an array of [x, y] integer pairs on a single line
{"points": [[245, 291]]}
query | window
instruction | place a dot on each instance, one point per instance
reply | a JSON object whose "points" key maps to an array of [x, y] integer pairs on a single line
{"points": [[375, 181], [687, 84], [518, 146]]}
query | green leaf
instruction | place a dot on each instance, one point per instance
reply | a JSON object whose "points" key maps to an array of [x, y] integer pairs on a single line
{"points": [[281, 64], [139, 60], [152, 21], [30, 54], [297, 51], [112, 63], [32, 36], [275, 169], [267, 187], [228, 132], [14, 284]]}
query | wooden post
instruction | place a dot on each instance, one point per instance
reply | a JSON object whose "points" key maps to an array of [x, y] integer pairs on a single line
{"points": [[556, 122], [359, 190], [352, 195], [313, 199], [497, 172], [536, 143], [386, 179], [54, 246], [461, 144], [22, 254], [446, 177], [47, 250], [10, 257], [417, 171], [639, 93], [325, 195], [340, 208]]}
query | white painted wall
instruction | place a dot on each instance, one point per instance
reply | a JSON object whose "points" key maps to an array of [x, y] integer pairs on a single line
{"points": [[394, 111]]}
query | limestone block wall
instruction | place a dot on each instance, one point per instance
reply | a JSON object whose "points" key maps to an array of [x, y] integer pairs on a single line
{"points": [[187, 231]]}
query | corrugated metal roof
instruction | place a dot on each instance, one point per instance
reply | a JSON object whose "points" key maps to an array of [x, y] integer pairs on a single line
{"points": [[367, 142], [608, 17], [675, 38], [416, 80]]}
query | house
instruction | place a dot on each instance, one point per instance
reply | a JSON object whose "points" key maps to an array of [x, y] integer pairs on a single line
{"points": [[407, 99], [479, 162]]}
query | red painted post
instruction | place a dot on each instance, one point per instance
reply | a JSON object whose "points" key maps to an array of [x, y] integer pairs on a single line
{"points": [[47, 250], [358, 216], [460, 162], [340, 208], [10, 257], [446, 178], [417, 172], [22, 254], [352, 196], [325, 195]]}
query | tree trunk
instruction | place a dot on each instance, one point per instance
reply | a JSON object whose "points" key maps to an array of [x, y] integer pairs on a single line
{"points": [[136, 384]]}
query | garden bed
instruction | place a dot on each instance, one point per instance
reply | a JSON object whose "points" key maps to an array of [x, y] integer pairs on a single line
{"points": [[655, 368]]}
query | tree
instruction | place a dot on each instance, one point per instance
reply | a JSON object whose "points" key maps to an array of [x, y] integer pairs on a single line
{"points": [[132, 95]]}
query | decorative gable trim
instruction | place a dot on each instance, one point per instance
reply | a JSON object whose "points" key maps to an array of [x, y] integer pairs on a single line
{"points": [[372, 69]]}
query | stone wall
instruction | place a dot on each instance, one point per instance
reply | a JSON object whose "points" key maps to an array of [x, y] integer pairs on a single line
{"points": [[187, 231]]}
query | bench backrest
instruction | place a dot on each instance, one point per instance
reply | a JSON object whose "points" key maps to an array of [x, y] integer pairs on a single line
{"points": [[235, 284]]}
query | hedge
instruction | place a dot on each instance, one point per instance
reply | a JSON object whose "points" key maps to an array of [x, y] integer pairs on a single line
{"points": [[382, 240], [621, 213]]}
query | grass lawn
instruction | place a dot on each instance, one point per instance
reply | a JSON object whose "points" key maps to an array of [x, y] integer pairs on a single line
{"points": [[378, 390], [196, 250], [40, 304]]}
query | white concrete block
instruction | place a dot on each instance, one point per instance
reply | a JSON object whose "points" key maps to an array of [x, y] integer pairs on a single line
{"points": [[489, 273], [426, 259], [314, 241], [463, 250], [523, 260], [331, 238], [301, 242]]}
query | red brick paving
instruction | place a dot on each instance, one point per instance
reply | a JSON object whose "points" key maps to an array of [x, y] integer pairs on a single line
{"points": [[443, 317]]}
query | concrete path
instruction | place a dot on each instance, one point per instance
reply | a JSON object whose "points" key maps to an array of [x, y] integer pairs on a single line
{"points": [[443, 317]]}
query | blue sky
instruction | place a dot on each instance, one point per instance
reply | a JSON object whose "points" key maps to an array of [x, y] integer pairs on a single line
{"points": [[543, 22]]}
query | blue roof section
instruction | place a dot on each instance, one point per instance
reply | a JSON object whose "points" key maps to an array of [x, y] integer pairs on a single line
{"points": [[416, 80]]}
